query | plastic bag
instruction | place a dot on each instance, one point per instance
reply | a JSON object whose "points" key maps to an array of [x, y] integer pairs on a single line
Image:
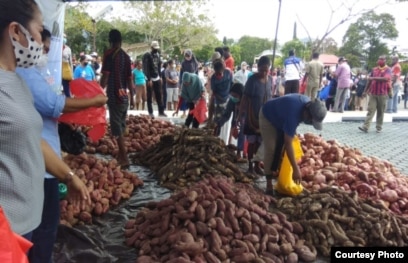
{"points": [[13, 248], [72, 140], [200, 111], [94, 117], [285, 184], [303, 86]]}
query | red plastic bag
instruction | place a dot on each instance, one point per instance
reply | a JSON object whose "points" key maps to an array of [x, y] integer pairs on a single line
{"points": [[303, 85], [13, 248], [94, 117], [200, 111]]}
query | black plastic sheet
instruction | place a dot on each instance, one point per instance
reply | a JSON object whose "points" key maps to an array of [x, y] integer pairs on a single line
{"points": [[104, 241]]}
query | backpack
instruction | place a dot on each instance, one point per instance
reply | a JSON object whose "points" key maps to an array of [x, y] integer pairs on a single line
{"points": [[361, 84]]}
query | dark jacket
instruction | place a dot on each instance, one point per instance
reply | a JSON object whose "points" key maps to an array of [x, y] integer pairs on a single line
{"points": [[151, 65]]}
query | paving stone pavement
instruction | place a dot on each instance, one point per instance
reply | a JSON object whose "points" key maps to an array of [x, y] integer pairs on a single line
{"points": [[391, 144]]}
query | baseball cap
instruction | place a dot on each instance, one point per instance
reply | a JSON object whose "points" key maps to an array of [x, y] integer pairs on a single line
{"points": [[342, 59], [155, 45], [215, 55], [318, 111]]}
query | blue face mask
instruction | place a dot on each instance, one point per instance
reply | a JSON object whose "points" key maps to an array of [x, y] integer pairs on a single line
{"points": [[233, 99], [64, 41]]}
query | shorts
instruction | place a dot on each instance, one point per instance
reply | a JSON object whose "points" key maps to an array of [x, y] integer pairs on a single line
{"points": [[140, 93], [117, 118], [172, 94]]}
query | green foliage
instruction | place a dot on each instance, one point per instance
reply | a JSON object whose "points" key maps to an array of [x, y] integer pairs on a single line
{"points": [[404, 69], [364, 38], [250, 47], [296, 45], [172, 24]]}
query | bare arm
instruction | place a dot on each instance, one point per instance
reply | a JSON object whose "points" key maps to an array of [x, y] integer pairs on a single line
{"points": [[291, 156], [78, 193], [77, 104]]}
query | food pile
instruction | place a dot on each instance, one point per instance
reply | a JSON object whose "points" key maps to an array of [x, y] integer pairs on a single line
{"points": [[216, 221], [187, 156], [326, 163], [333, 217], [142, 133], [106, 183]]}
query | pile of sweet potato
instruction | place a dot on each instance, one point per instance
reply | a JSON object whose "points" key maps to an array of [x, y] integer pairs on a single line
{"points": [[328, 163], [188, 155], [334, 217], [216, 221], [106, 182], [142, 132]]}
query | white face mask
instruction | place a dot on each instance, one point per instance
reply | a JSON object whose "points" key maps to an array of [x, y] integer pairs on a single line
{"points": [[27, 56], [43, 61], [173, 66]]}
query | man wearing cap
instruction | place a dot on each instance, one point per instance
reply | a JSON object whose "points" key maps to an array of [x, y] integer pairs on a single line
{"points": [[343, 76], [278, 121], [151, 69], [392, 104]]}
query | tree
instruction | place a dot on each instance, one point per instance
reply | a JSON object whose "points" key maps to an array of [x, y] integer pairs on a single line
{"points": [[173, 23], [365, 37], [328, 46], [251, 46], [350, 14], [295, 45]]}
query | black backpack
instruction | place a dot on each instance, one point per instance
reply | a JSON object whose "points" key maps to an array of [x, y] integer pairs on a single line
{"points": [[361, 84]]}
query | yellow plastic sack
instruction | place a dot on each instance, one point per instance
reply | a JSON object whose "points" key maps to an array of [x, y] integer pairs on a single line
{"points": [[285, 184]]}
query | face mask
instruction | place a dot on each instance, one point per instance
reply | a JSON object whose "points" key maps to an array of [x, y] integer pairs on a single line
{"points": [[64, 41], [381, 63], [43, 61], [27, 56], [308, 121], [234, 99], [173, 66], [85, 64]]}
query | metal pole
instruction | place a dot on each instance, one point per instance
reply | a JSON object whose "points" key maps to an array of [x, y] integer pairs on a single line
{"points": [[276, 35], [94, 34]]}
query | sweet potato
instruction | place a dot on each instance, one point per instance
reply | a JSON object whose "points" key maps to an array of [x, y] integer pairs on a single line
{"points": [[244, 258]]}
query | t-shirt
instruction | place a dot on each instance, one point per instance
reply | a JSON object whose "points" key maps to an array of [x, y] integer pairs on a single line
{"points": [[173, 75], [293, 68], [84, 72], [116, 64], [221, 87], [22, 165], [229, 63], [285, 113], [48, 103], [139, 77], [396, 71]]}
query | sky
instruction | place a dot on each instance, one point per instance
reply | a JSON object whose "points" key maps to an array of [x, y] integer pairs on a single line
{"points": [[234, 19]]}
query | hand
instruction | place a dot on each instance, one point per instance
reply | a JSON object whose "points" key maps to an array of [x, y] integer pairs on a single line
{"points": [[149, 84], [296, 177], [100, 100], [132, 105], [78, 194]]}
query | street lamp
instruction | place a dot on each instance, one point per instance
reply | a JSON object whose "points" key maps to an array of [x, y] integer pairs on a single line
{"points": [[98, 16], [276, 35]]}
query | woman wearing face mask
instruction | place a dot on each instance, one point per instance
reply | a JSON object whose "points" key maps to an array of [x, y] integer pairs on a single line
{"points": [[23, 153], [50, 103], [84, 70]]}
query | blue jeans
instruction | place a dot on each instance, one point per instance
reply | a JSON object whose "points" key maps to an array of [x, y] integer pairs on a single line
{"points": [[392, 104], [45, 234]]}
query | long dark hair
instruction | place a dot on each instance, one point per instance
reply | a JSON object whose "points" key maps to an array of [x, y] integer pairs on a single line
{"points": [[20, 11]]}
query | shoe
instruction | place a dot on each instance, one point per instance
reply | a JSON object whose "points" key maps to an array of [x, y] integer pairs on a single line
{"points": [[378, 131], [163, 114], [363, 129], [151, 115]]}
